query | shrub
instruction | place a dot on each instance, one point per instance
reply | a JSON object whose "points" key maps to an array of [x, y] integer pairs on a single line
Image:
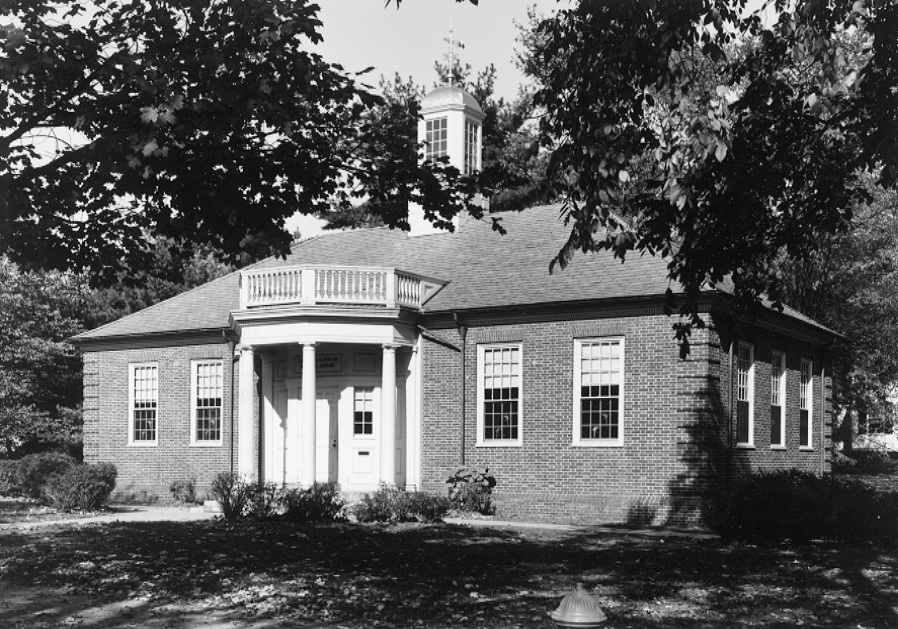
{"points": [[230, 492], [799, 506], [262, 500], [8, 484], [34, 470], [471, 489], [183, 490], [842, 463], [390, 504], [427, 507], [83, 487], [319, 503]]}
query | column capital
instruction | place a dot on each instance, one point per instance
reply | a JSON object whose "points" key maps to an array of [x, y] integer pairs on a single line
{"points": [[313, 344], [244, 348], [390, 347]]}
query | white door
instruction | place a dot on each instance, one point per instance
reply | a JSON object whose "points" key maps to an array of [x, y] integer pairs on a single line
{"points": [[326, 436], [362, 415]]}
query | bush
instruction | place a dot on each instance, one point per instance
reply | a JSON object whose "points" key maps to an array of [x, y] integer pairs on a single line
{"points": [[183, 490], [471, 489], [81, 487], [842, 463], [799, 506], [35, 470], [262, 500], [427, 507], [230, 492], [319, 503], [390, 504], [9, 486]]}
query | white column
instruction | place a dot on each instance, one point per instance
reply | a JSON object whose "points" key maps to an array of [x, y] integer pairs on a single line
{"points": [[388, 416], [267, 426], [245, 436], [307, 432]]}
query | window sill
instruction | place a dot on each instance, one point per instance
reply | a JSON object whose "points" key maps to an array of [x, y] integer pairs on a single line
{"points": [[806, 449], [206, 444], [778, 448], [597, 444], [745, 446], [143, 444], [499, 444]]}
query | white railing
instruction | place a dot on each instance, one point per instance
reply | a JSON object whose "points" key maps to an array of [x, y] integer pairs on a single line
{"points": [[311, 286]]}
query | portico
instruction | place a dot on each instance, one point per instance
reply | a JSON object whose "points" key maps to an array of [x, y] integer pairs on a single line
{"points": [[335, 355]]}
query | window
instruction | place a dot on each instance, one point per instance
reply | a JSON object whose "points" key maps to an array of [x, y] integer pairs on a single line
{"points": [[436, 146], [470, 147], [499, 395], [598, 392], [745, 392], [777, 400], [143, 402], [207, 392], [363, 411], [806, 401]]}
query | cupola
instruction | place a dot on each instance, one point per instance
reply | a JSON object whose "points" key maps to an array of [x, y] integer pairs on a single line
{"points": [[450, 126]]}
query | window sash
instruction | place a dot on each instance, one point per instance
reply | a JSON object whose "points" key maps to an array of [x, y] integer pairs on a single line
{"points": [[598, 391], [806, 397], [470, 147], [777, 398], [144, 403], [744, 394], [500, 380], [437, 138], [207, 392]]}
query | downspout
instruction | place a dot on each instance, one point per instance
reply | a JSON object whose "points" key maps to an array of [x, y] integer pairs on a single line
{"points": [[463, 334], [822, 415], [729, 474], [232, 345]]}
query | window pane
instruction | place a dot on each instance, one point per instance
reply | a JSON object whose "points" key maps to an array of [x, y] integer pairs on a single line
{"points": [[363, 411], [146, 396], [501, 393], [601, 375], [208, 396]]}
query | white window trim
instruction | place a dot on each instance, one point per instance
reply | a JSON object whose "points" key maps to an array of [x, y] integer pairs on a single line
{"points": [[132, 367], [809, 397], [498, 443], [750, 385], [577, 441], [782, 395], [194, 443]]}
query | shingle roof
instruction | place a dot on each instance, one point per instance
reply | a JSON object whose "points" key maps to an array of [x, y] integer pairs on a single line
{"points": [[482, 269]]}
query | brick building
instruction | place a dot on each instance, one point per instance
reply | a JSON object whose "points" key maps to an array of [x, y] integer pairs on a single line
{"points": [[380, 356]]}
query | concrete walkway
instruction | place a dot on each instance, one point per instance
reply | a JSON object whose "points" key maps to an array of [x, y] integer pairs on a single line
{"points": [[163, 513], [121, 513]]}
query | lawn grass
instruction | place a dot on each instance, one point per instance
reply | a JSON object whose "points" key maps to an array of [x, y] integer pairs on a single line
{"points": [[278, 574]]}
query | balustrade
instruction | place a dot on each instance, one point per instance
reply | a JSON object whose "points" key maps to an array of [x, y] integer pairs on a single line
{"points": [[330, 285]]}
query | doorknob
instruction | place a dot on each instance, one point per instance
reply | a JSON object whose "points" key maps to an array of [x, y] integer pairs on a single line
{"points": [[334, 444]]}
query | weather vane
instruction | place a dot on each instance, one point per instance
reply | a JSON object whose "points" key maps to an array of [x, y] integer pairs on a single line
{"points": [[453, 44]]}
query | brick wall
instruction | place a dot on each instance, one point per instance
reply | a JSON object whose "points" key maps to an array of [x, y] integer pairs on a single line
{"points": [[762, 456], [658, 475], [106, 419]]}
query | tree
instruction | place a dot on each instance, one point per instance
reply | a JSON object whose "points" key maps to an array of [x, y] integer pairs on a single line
{"points": [[731, 179], [40, 371], [206, 121], [171, 269], [850, 284]]}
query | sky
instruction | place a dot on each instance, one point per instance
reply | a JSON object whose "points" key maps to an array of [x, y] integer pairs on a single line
{"points": [[408, 40]]}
